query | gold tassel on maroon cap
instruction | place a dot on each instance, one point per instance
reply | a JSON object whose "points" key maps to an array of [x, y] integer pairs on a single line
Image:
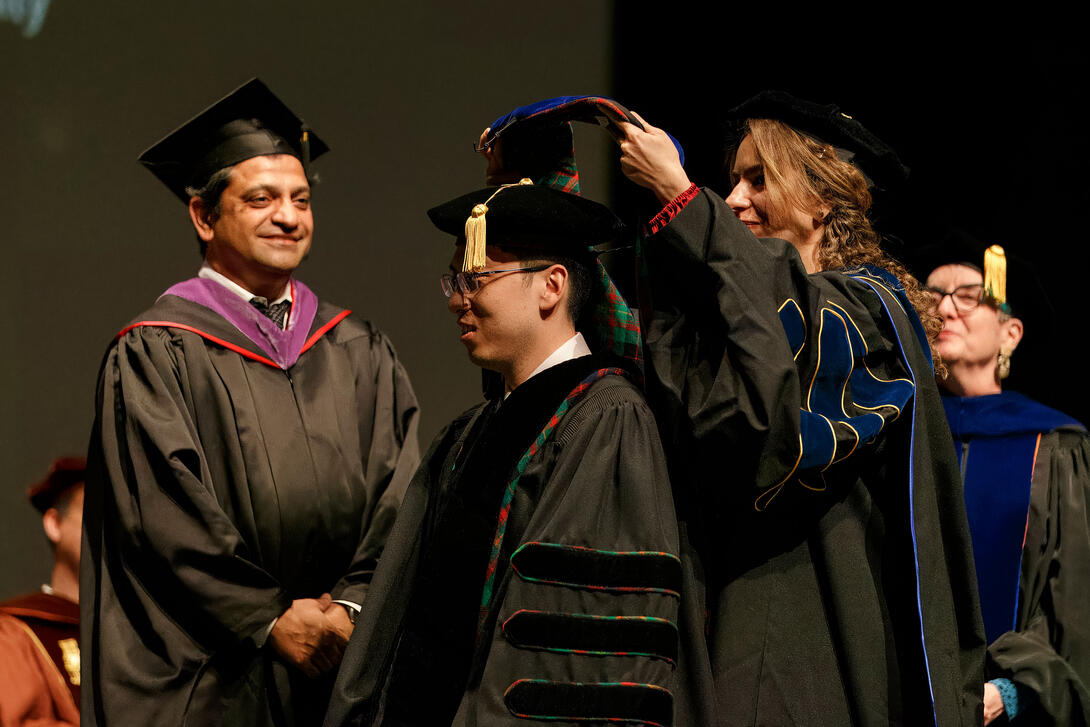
{"points": [[476, 228]]}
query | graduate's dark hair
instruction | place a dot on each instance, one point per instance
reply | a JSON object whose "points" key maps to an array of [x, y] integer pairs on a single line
{"points": [[62, 503], [580, 277], [211, 194]]}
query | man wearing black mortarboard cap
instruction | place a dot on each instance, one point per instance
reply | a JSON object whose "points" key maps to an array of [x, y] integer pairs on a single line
{"points": [[39, 631], [250, 450], [533, 571]]}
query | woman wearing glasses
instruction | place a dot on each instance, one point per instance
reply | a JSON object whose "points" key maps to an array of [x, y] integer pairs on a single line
{"points": [[1026, 472], [790, 373]]}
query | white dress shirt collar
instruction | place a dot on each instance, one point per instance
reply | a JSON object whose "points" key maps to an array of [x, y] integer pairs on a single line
{"points": [[574, 347], [210, 274]]}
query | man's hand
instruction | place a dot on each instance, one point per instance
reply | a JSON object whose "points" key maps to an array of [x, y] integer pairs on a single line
{"points": [[650, 159], [339, 624], [993, 702], [305, 637], [495, 174]]}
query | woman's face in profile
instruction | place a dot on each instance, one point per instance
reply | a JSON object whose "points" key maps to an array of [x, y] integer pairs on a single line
{"points": [[753, 205]]}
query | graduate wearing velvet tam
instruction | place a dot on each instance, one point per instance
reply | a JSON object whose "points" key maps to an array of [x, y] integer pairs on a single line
{"points": [[1026, 473], [250, 448], [533, 573]]}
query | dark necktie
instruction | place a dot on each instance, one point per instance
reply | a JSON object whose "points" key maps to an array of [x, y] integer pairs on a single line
{"points": [[275, 312]]}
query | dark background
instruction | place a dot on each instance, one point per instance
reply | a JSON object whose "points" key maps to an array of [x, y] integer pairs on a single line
{"points": [[990, 124]]}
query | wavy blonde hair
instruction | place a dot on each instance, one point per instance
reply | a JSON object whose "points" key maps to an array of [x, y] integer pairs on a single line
{"points": [[805, 173]]}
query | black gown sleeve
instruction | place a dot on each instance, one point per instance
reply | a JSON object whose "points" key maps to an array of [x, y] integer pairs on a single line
{"points": [[366, 663], [752, 358], [171, 553], [388, 441], [796, 408], [1048, 656], [592, 531]]}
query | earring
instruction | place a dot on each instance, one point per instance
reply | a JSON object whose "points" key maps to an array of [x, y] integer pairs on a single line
{"points": [[1003, 370]]}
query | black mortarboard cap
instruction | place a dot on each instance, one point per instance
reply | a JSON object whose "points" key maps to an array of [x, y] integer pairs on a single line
{"points": [[64, 473], [532, 216], [828, 124], [248, 122]]}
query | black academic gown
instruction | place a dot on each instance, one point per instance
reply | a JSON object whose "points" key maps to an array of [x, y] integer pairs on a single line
{"points": [[817, 487], [219, 489], [582, 620], [1027, 472]]}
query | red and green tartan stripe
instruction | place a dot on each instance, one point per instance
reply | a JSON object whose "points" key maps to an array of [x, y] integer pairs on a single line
{"points": [[565, 177], [614, 322], [526, 640], [631, 703], [509, 493]]}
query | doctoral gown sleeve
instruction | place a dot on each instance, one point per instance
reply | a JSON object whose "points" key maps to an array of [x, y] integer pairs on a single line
{"points": [[779, 395], [593, 535], [1048, 656], [391, 452], [753, 359], [172, 558]]}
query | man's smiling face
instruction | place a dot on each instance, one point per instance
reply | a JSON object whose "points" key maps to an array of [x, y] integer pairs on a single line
{"points": [[265, 222]]}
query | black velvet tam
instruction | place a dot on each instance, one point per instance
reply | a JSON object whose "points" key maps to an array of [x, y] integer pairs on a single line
{"points": [[1026, 294], [956, 247], [249, 122], [532, 216], [828, 124]]}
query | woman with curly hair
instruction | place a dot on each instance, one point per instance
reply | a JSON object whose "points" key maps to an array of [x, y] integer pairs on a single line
{"points": [[830, 578]]}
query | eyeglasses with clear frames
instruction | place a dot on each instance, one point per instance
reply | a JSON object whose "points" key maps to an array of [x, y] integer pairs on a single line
{"points": [[966, 298], [467, 283]]}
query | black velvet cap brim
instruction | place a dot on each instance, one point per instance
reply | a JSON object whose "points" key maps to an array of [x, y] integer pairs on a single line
{"points": [[250, 121], [828, 124], [533, 216]]}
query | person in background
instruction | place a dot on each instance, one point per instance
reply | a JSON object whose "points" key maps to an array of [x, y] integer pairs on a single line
{"points": [[790, 370], [39, 632], [250, 450], [1026, 474]]}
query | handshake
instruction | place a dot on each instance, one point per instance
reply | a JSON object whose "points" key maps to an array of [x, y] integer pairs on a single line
{"points": [[312, 634]]}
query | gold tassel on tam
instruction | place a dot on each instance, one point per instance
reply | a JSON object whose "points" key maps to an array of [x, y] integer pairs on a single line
{"points": [[476, 228], [995, 276], [475, 239]]}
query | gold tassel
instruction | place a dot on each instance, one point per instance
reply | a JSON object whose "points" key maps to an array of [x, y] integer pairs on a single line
{"points": [[995, 275], [476, 229], [475, 239]]}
